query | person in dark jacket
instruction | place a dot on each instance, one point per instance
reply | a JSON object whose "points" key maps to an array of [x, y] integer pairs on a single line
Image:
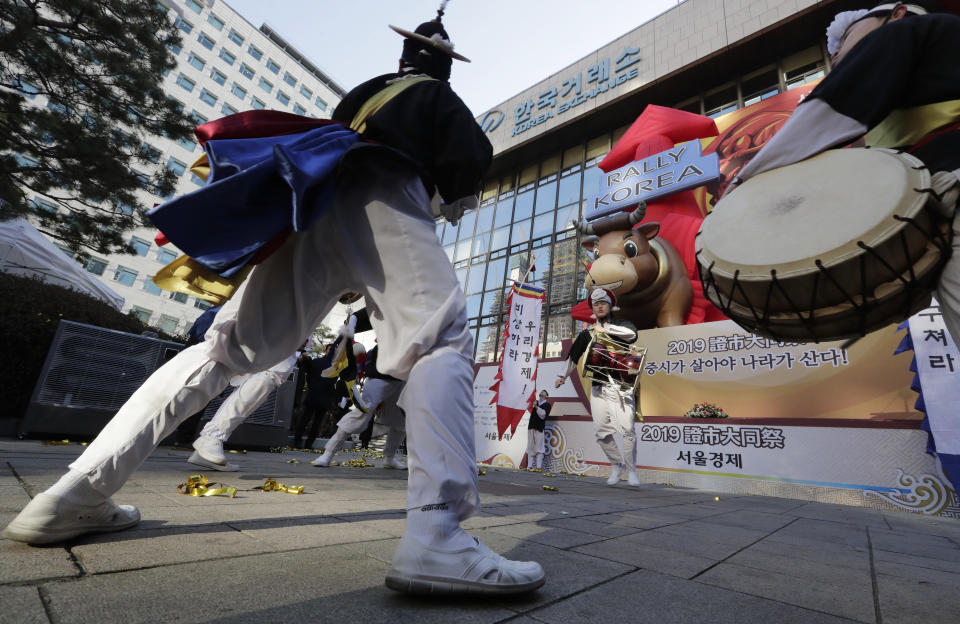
{"points": [[538, 421]]}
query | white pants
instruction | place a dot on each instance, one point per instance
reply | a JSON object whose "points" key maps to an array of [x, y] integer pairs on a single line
{"points": [[250, 392], [613, 412], [534, 444], [379, 240], [376, 392]]}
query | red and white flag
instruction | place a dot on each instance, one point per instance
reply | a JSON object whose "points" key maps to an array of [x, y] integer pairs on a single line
{"points": [[516, 380]]}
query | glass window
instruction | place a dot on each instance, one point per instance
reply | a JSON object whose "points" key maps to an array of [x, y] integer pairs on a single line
{"points": [[299, 110], [289, 79], [194, 6], [226, 109], [150, 287], [566, 216], [266, 85], [139, 246], [320, 104], [184, 25], [180, 297], [570, 189], [521, 232], [504, 213], [480, 244], [546, 197], [235, 37], [206, 40], [272, 66], [196, 61], [207, 97], [542, 225], [305, 92], [257, 103], [151, 153], [524, 206], [167, 324], [485, 219], [255, 52], [463, 250], [141, 313], [486, 347], [95, 265], [215, 21], [238, 91], [185, 82], [175, 48], [197, 179], [246, 70], [475, 283], [203, 305], [461, 275], [186, 144], [473, 304], [449, 251], [176, 166], [500, 238], [591, 180], [228, 58], [467, 221], [218, 76], [283, 97], [449, 234], [495, 273], [165, 256], [125, 276]]}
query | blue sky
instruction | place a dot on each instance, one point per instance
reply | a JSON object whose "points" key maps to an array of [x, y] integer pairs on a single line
{"points": [[512, 44]]}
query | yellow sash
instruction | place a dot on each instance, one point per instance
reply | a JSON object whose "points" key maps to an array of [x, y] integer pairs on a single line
{"points": [[375, 103], [906, 126]]}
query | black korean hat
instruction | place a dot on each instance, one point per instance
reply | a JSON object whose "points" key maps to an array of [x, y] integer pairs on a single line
{"points": [[431, 36]]}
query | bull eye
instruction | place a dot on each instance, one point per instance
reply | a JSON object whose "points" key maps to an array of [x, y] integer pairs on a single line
{"points": [[631, 249]]}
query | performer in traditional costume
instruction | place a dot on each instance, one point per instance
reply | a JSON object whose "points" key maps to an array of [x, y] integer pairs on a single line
{"points": [[361, 220], [612, 405], [896, 83], [538, 421]]}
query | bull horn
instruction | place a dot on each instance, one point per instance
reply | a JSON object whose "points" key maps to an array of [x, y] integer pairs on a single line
{"points": [[584, 228], [637, 215]]}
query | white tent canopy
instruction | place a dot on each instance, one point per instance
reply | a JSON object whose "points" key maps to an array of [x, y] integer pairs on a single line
{"points": [[25, 251]]}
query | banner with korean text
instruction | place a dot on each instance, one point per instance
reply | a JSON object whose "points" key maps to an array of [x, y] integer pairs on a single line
{"points": [[516, 380]]}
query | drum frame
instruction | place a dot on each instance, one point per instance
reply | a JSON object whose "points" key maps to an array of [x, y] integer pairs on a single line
{"points": [[590, 372]]}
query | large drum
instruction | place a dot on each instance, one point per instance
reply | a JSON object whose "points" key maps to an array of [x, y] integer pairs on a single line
{"points": [[829, 248], [612, 361]]}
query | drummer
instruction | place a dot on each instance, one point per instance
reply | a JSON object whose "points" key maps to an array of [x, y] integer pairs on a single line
{"points": [[896, 83], [611, 405]]}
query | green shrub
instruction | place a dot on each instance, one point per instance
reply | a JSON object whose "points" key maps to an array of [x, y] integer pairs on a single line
{"points": [[29, 314]]}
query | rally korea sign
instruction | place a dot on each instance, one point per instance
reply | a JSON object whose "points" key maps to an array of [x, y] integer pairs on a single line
{"points": [[678, 169]]}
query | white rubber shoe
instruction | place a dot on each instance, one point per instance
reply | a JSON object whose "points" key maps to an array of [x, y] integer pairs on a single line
{"points": [[394, 462], [633, 478], [210, 449], [49, 519], [324, 460], [198, 460], [615, 471], [419, 569]]}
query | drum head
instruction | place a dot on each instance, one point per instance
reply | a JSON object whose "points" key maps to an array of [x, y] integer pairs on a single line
{"points": [[818, 209]]}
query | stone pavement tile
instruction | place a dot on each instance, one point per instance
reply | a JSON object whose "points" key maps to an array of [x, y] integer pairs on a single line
{"points": [[857, 516], [905, 596], [482, 520], [766, 504], [13, 498], [717, 543], [331, 584], [646, 596], [21, 605], [653, 518], [547, 535], [916, 523], [809, 531], [643, 555], [21, 562], [310, 531], [919, 573], [140, 548], [943, 565], [594, 525], [914, 544], [391, 524], [850, 597], [749, 519], [844, 558]]}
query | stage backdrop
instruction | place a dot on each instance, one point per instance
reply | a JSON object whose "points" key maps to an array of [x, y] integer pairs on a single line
{"points": [[811, 422]]}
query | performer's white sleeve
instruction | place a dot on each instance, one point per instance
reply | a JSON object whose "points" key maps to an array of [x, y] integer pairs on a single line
{"points": [[811, 129]]}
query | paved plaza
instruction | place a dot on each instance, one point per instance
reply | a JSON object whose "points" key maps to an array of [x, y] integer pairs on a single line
{"points": [[657, 553]]}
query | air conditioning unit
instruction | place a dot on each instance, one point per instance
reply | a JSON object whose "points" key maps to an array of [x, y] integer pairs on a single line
{"points": [[88, 374]]}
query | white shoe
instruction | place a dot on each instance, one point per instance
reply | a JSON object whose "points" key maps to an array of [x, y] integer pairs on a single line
{"points": [[198, 460], [633, 478], [394, 462], [615, 471], [419, 569], [323, 460], [210, 449], [48, 519]]}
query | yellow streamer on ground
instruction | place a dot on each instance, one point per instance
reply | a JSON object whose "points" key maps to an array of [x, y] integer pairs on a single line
{"points": [[188, 276], [271, 485], [199, 485], [56, 442], [293, 461], [550, 488]]}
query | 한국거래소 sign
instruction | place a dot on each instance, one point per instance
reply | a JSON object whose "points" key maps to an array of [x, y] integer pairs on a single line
{"points": [[678, 169]]}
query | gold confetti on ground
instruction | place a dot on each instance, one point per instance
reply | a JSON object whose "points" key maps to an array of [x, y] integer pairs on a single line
{"points": [[56, 442], [549, 474], [199, 485], [359, 462], [481, 472], [84, 443], [293, 461], [271, 485], [550, 488]]}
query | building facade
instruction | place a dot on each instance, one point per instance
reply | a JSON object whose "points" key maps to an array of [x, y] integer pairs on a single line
{"points": [[225, 65], [705, 56]]}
